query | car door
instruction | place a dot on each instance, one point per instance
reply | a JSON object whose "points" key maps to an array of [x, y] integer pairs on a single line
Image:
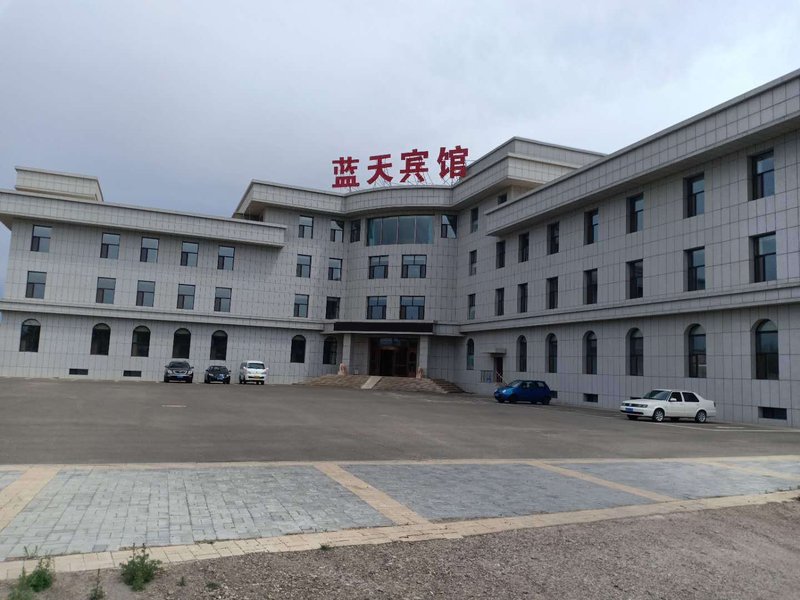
{"points": [[691, 404], [525, 391], [675, 406]]}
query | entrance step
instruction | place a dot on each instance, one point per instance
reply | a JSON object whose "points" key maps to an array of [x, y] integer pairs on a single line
{"points": [[411, 384], [344, 381], [371, 382]]}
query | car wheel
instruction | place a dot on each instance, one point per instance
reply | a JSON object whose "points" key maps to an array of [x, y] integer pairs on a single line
{"points": [[227, 381], [658, 415], [674, 419], [190, 380], [512, 399], [700, 417], [166, 380], [500, 400], [546, 401], [633, 417]]}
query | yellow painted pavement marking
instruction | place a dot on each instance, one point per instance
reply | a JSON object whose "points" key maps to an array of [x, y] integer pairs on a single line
{"points": [[383, 535], [603, 482], [752, 470], [380, 501], [15, 496]]}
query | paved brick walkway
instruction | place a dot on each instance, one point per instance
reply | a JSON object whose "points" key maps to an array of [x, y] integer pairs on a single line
{"points": [[90, 513]]}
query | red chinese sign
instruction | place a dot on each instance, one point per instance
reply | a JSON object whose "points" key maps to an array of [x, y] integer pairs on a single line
{"points": [[452, 165]]}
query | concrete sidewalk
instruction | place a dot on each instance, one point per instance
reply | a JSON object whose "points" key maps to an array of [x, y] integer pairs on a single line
{"points": [[88, 514]]}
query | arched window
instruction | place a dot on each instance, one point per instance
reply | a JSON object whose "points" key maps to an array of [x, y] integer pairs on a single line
{"points": [[101, 338], [766, 350], [181, 343], [551, 353], [298, 354], [522, 354], [590, 353], [140, 342], [470, 355], [29, 336], [329, 351], [219, 345], [635, 352], [696, 351]]}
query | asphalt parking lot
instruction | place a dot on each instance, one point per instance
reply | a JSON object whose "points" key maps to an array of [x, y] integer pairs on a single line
{"points": [[47, 421]]}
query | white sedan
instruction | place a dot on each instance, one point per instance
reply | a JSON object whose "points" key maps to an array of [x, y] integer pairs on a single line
{"points": [[670, 404]]}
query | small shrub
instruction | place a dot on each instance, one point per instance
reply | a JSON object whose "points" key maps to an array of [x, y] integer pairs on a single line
{"points": [[97, 592], [325, 547], [21, 590], [42, 576], [182, 581], [212, 585], [140, 569]]}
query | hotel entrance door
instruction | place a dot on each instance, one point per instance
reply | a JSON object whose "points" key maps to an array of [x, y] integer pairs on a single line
{"points": [[393, 357]]}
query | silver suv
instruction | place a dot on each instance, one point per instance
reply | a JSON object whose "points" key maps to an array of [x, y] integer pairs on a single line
{"points": [[253, 370]]}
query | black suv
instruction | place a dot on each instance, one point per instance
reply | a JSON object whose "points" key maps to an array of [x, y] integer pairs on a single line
{"points": [[178, 370]]}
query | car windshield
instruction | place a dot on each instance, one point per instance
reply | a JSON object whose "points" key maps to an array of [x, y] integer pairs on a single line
{"points": [[218, 369], [516, 383], [255, 365], [177, 364], [656, 395]]}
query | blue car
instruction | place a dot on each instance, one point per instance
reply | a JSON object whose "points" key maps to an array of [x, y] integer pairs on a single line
{"points": [[523, 389]]}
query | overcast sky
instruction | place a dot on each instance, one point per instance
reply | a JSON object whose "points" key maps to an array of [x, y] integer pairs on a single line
{"points": [[179, 104]]}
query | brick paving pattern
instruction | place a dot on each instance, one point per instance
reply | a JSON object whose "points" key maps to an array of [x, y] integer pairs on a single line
{"points": [[8, 477]]}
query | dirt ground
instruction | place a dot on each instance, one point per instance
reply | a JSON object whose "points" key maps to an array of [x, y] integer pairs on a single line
{"points": [[739, 553]]}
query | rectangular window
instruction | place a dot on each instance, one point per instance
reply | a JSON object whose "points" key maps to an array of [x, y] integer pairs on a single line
{"points": [[131, 373], [636, 279], [305, 227], [303, 265], [105, 290], [376, 307], [185, 296], [412, 308], [79, 371], [40, 239], [696, 269], [225, 258], [500, 254], [378, 267], [415, 266], [36, 283], [552, 238], [410, 229], [523, 247], [591, 225], [590, 398], [762, 169], [334, 269], [332, 307], [300, 305], [501, 199], [450, 226], [771, 412], [499, 302], [473, 219], [764, 265], [552, 292], [590, 286], [473, 262], [337, 230], [635, 213], [145, 293], [222, 300], [695, 191], [189, 252], [355, 231], [471, 306], [522, 298], [149, 250], [109, 246]]}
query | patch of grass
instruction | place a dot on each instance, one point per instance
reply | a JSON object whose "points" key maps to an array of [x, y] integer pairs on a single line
{"points": [[212, 585], [97, 592], [325, 547], [43, 575], [140, 569], [21, 590], [182, 581]]}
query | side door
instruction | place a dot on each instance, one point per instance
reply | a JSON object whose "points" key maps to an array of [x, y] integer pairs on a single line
{"points": [[691, 404], [525, 391], [675, 406]]}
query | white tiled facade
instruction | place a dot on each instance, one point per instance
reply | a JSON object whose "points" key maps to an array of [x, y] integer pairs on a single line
{"points": [[544, 184]]}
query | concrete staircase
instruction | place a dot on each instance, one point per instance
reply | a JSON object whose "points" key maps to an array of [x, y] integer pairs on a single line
{"points": [[394, 384]]}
